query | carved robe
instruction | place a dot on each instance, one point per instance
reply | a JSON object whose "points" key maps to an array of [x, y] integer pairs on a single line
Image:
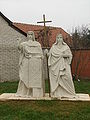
{"points": [[60, 72], [30, 70]]}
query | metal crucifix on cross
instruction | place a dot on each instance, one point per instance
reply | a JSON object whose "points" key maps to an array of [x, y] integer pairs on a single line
{"points": [[45, 35]]}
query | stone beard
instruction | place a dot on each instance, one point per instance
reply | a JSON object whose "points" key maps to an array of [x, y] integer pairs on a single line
{"points": [[59, 69], [30, 68]]}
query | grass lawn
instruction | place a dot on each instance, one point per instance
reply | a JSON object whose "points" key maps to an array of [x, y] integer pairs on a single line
{"points": [[44, 110]]}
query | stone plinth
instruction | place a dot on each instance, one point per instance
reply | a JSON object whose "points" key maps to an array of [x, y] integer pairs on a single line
{"points": [[13, 96]]}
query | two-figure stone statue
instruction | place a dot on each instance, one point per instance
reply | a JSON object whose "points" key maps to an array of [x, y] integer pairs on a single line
{"points": [[59, 61], [30, 68]]}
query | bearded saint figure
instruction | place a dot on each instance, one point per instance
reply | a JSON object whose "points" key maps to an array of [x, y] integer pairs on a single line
{"points": [[30, 68], [59, 61]]}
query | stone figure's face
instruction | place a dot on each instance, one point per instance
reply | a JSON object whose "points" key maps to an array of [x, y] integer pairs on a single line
{"points": [[59, 39], [30, 35]]}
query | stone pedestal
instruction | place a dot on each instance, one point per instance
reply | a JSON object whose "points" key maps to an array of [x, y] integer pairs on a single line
{"points": [[13, 96]]}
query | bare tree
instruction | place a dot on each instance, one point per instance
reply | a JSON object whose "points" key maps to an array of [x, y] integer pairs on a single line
{"points": [[81, 42]]}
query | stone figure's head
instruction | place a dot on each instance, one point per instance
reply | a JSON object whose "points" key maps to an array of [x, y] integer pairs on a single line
{"points": [[30, 35], [59, 39]]}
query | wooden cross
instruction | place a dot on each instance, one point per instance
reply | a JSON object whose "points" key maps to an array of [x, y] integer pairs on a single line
{"points": [[45, 35], [46, 45]]}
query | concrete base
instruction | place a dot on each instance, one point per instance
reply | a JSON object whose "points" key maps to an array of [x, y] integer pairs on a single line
{"points": [[13, 96]]}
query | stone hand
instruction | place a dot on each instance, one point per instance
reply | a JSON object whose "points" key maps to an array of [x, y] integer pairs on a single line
{"points": [[46, 51]]}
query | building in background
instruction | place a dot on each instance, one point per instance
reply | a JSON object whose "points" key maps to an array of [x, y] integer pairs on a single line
{"points": [[81, 57], [9, 56]]}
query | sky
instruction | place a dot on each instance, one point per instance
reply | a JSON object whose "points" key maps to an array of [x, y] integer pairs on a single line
{"points": [[66, 14]]}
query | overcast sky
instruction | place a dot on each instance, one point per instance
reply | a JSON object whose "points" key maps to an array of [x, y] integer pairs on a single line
{"points": [[63, 13]]}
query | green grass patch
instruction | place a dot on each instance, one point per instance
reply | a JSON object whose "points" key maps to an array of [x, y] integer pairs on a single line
{"points": [[44, 110], [82, 86], [11, 87], [8, 87]]}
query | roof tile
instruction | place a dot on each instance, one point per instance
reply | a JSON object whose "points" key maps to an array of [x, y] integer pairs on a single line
{"points": [[52, 30]]}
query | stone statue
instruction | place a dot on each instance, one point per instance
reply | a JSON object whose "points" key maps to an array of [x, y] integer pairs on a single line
{"points": [[59, 62], [30, 68]]}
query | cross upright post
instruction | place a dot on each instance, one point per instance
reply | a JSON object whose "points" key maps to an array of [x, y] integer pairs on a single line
{"points": [[46, 45]]}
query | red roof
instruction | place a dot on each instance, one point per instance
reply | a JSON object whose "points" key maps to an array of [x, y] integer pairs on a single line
{"points": [[52, 30]]}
